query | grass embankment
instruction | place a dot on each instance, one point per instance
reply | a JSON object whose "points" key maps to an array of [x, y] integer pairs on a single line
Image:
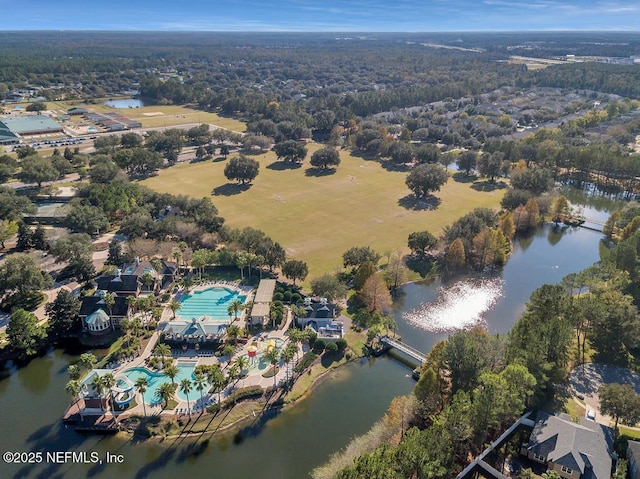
{"points": [[317, 218], [324, 364]]}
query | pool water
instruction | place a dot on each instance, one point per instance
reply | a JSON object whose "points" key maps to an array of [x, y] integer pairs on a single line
{"points": [[212, 302], [155, 379]]}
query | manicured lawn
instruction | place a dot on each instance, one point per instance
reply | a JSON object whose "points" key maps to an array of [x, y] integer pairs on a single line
{"points": [[317, 218]]}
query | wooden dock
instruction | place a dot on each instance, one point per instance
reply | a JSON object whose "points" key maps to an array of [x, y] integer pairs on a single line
{"points": [[84, 420]]}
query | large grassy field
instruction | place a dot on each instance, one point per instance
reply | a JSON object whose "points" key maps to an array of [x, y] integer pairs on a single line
{"points": [[150, 116], [317, 218]]}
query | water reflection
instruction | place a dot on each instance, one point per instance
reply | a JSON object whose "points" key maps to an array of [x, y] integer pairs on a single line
{"points": [[458, 306]]}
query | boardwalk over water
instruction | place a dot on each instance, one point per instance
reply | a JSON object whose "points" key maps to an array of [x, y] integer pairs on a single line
{"points": [[413, 353]]}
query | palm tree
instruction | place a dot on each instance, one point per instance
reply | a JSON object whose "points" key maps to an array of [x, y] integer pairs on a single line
{"points": [[273, 356], [217, 380], [163, 350], [201, 382], [174, 306], [87, 361], [230, 312], [236, 307], [73, 388], [141, 386], [132, 303], [147, 279], [172, 371], [186, 385], [98, 385], [177, 255], [233, 332], [286, 355], [242, 363], [108, 381], [165, 393], [234, 373], [74, 372]]}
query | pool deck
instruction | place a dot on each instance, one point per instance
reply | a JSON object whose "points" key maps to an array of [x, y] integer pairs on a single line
{"points": [[202, 357]]}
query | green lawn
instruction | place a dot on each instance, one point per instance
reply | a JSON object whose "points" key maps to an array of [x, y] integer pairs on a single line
{"points": [[317, 218]]}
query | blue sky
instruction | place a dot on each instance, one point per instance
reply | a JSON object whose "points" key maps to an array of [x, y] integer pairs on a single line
{"points": [[321, 15]]}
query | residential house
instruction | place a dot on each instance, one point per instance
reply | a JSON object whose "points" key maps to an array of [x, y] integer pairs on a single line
{"points": [[97, 318], [581, 450], [320, 316], [129, 280]]}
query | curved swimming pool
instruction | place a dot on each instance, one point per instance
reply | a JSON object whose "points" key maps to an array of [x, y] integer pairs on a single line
{"points": [[155, 379]]}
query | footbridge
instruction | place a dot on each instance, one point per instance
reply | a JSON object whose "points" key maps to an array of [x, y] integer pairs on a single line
{"points": [[413, 353]]}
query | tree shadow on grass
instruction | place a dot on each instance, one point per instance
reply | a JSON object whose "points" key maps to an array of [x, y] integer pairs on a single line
{"points": [[461, 177], [422, 266], [219, 159], [229, 189], [410, 202], [389, 165], [284, 165], [488, 185], [316, 172]]}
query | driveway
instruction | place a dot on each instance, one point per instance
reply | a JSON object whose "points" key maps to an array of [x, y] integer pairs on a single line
{"points": [[585, 381]]}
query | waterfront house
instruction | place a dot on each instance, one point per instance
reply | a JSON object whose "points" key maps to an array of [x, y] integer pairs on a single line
{"points": [[581, 450], [320, 316], [97, 318]]}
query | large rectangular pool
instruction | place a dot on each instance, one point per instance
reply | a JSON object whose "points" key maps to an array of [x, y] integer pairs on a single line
{"points": [[212, 302]]}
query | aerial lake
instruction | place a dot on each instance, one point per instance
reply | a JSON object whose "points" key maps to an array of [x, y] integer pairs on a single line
{"points": [[290, 443]]}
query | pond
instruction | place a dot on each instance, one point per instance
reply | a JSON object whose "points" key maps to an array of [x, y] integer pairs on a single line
{"points": [[292, 442], [124, 103]]}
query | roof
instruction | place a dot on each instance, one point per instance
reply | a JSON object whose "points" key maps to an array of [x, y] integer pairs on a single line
{"points": [[203, 326], [26, 124], [118, 283], [260, 310], [98, 317], [318, 310], [585, 447], [91, 304], [264, 294]]}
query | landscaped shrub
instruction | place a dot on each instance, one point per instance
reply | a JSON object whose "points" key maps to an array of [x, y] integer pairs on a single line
{"points": [[296, 298], [278, 297], [244, 393], [331, 348], [319, 345], [308, 358], [214, 408], [286, 297], [341, 344]]}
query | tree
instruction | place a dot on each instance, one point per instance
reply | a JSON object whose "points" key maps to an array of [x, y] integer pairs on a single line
{"points": [[358, 255], [428, 153], [12, 206], [77, 250], [37, 106], [98, 386], [19, 276], [514, 198], [273, 357], [290, 151], [7, 230], [401, 152], [165, 393], [186, 386], [73, 388], [171, 370], [325, 158], [295, 270], [242, 363], [163, 350], [467, 161], [328, 286], [86, 219], [375, 294], [621, 402], [108, 381], [141, 386], [421, 242], [131, 140], [138, 161], [200, 382], [396, 271], [25, 336], [62, 314], [242, 169], [425, 179], [490, 164], [36, 169], [455, 256], [174, 306], [560, 209], [114, 255], [39, 238]]}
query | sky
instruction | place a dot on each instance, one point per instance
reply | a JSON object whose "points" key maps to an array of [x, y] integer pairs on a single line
{"points": [[321, 15]]}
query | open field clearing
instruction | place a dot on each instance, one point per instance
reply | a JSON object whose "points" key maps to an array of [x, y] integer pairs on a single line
{"points": [[317, 218]]}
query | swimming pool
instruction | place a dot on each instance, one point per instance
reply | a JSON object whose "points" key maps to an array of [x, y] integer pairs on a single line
{"points": [[212, 302], [155, 379]]}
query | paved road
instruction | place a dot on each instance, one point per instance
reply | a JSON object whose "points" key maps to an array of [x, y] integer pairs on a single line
{"points": [[585, 382]]}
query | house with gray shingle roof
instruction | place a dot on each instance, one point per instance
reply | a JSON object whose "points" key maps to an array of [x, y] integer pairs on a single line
{"points": [[573, 450], [633, 458]]}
